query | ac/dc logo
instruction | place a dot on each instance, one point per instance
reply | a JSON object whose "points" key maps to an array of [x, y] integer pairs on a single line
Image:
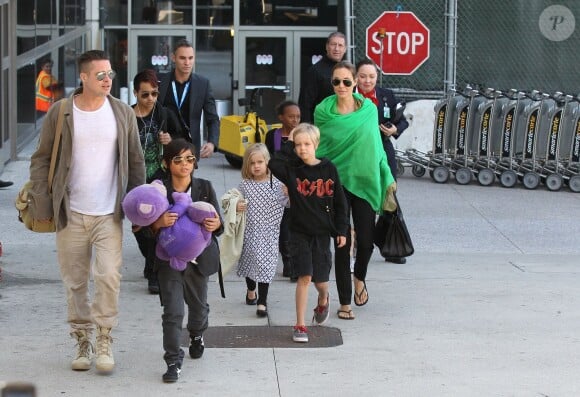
{"points": [[319, 187]]}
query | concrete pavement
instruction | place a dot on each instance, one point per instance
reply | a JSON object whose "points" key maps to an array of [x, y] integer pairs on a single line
{"points": [[487, 306]]}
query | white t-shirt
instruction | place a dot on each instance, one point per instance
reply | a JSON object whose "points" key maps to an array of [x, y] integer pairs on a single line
{"points": [[94, 163]]}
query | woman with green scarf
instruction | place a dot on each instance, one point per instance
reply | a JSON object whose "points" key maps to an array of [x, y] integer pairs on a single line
{"points": [[349, 137]]}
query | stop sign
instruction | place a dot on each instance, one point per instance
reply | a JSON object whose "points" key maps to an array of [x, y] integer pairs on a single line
{"points": [[403, 40]]}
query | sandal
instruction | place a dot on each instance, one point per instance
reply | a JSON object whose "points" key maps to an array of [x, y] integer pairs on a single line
{"points": [[358, 296], [345, 314]]}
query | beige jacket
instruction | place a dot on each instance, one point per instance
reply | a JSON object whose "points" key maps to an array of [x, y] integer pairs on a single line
{"points": [[232, 241], [131, 163]]}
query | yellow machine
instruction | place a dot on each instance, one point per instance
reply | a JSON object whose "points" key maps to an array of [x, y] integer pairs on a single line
{"points": [[239, 132]]}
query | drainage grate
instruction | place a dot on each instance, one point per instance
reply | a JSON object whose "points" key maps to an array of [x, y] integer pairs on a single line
{"points": [[265, 337]]}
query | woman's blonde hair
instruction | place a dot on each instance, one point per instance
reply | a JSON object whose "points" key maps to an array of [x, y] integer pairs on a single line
{"points": [[256, 148], [309, 129]]}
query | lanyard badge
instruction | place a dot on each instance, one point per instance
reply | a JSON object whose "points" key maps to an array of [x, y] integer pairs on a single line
{"points": [[386, 112]]}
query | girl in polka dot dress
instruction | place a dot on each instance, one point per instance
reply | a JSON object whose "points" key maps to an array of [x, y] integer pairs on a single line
{"points": [[265, 200]]}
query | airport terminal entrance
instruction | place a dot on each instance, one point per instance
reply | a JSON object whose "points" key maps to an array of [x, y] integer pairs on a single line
{"points": [[273, 63]]}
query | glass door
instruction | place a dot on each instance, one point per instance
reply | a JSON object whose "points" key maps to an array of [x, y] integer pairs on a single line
{"points": [[271, 63], [150, 49], [265, 71], [311, 47]]}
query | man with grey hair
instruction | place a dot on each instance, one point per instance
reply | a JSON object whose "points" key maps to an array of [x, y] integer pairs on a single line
{"points": [[316, 81]]}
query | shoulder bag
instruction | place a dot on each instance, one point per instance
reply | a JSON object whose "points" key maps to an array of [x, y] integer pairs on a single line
{"points": [[23, 201]]}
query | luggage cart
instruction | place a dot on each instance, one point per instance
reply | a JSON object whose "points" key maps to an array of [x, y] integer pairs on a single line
{"points": [[549, 141], [460, 131], [482, 162], [571, 139], [421, 162], [510, 108], [450, 134], [526, 139]]}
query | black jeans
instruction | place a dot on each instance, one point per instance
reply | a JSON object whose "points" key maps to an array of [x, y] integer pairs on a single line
{"points": [[363, 217], [187, 287], [177, 289]]}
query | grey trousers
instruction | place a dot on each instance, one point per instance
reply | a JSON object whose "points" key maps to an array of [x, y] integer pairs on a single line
{"points": [[177, 288]]}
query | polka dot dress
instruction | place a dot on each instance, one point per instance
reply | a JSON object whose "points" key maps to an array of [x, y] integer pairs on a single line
{"points": [[259, 256]]}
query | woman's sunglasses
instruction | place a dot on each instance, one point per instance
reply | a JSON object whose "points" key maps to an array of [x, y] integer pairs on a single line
{"points": [[145, 94], [101, 75], [346, 82], [180, 159]]}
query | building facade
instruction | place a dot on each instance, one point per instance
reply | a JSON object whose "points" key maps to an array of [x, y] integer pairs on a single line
{"points": [[243, 45], [240, 45]]}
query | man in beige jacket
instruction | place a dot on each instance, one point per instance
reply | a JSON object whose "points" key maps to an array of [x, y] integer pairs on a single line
{"points": [[99, 160]]}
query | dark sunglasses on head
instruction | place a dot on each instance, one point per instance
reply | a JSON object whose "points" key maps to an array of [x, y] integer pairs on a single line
{"points": [[180, 159], [145, 94], [346, 82], [101, 75]]}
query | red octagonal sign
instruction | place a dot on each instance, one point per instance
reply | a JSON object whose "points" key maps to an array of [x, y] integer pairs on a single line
{"points": [[402, 39]]}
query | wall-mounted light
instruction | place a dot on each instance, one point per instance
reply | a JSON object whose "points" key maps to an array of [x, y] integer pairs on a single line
{"points": [[159, 60], [265, 59]]}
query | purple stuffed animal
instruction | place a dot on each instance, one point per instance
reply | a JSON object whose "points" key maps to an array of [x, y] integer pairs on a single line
{"points": [[145, 203], [187, 238]]}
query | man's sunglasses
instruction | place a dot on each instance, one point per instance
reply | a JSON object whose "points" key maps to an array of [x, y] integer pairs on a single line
{"points": [[346, 82], [145, 94], [180, 159], [101, 75]]}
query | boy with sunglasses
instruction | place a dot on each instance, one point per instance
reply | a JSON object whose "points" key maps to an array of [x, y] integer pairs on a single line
{"points": [[100, 159], [158, 125], [189, 285]]}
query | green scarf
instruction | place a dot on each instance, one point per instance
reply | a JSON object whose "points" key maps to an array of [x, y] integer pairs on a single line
{"points": [[353, 143]]}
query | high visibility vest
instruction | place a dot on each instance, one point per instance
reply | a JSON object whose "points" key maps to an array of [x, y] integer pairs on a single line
{"points": [[44, 96]]}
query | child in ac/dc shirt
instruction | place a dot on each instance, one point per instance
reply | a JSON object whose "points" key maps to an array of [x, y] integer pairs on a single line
{"points": [[317, 212]]}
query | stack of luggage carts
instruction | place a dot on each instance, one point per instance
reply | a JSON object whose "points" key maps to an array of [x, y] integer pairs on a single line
{"points": [[531, 137]]}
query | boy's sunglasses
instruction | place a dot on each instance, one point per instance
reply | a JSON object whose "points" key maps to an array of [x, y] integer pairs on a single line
{"points": [[101, 75], [346, 82], [180, 159], [145, 94]]}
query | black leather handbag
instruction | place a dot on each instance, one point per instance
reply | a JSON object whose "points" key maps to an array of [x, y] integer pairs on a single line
{"points": [[391, 235]]}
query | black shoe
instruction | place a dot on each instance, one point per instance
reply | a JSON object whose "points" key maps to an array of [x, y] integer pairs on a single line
{"points": [[262, 312], [172, 373], [5, 183], [197, 347], [397, 260], [251, 302], [153, 287]]}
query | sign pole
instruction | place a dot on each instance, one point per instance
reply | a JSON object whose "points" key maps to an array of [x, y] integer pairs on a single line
{"points": [[382, 33]]}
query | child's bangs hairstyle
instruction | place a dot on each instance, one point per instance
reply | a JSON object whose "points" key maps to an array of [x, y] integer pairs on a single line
{"points": [[256, 148], [175, 148], [311, 130]]}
